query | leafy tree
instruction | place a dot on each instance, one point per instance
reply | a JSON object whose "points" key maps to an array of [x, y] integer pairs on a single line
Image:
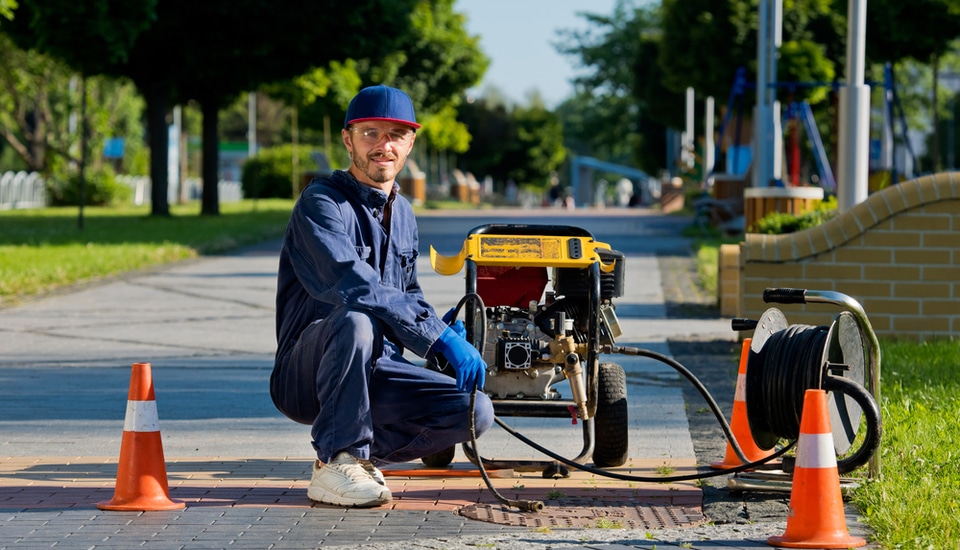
{"points": [[520, 143], [40, 98], [6, 8], [435, 63], [539, 144], [916, 29], [209, 51], [920, 30], [621, 108], [492, 129]]}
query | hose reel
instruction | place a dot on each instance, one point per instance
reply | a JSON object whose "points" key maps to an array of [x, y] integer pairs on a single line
{"points": [[786, 360]]}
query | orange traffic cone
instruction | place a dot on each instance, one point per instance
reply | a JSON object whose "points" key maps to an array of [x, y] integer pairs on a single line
{"points": [[816, 518], [738, 420], [141, 473]]}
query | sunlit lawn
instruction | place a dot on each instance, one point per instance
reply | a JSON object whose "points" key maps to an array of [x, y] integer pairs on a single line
{"points": [[42, 250]]}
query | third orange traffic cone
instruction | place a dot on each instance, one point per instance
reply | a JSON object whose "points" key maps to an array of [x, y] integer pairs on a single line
{"points": [[739, 424], [141, 472], [816, 518]]}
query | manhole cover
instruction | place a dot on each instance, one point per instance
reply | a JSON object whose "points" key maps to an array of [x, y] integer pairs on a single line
{"points": [[587, 513]]}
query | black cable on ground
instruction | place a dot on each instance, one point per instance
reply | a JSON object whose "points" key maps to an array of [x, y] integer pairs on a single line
{"points": [[669, 361], [522, 505], [644, 479], [536, 505]]}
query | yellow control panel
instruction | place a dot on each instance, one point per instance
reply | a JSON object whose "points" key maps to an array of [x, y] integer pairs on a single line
{"points": [[523, 251]]}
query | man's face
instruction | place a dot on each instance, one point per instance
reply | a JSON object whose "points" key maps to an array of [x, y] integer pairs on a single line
{"points": [[378, 151]]}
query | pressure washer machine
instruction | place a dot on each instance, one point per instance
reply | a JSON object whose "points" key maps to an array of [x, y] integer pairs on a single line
{"points": [[539, 305], [537, 331]]}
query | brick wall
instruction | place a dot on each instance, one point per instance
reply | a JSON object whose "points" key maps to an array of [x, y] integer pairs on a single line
{"points": [[897, 253]]}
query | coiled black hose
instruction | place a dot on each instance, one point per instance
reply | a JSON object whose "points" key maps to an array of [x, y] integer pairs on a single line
{"points": [[789, 364]]}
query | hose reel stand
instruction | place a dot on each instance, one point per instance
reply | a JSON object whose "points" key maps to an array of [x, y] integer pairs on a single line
{"points": [[786, 360]]}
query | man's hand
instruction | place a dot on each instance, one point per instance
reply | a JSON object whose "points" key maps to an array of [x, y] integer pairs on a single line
{"points": [[464, 358]]}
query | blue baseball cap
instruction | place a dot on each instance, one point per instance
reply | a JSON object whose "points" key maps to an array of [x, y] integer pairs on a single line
{"points": [[381, 103]]}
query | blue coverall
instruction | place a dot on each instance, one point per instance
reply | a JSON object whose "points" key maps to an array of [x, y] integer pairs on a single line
{"points": [[348, 303]]}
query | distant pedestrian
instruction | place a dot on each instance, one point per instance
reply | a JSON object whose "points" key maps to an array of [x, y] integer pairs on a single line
{"points": [[349, 303]]}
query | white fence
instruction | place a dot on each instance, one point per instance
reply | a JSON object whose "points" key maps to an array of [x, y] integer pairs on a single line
{"points": [[28, 190], [22, 190]]}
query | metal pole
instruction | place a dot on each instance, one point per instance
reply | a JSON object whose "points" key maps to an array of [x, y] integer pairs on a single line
{"points": [[854, 128], [762, 134], [251, 124], [774, 39], [689, 143], [708, 145]]}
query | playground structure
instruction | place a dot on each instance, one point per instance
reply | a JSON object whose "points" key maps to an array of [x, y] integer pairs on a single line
{"points": [[581, 177]]}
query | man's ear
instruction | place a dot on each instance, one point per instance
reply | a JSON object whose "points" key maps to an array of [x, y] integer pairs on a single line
{"points": [[347, 139]]}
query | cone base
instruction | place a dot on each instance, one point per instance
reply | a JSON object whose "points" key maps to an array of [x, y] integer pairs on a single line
{"points": [[838, 541], [141, 505]]}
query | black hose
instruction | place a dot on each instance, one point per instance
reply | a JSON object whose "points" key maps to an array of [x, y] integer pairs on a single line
{"points": [[727, 431], [642, 479], [536, 505], [522, 505]]}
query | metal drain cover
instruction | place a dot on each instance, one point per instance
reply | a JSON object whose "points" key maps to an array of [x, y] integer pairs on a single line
{"points": [[589, 513]]}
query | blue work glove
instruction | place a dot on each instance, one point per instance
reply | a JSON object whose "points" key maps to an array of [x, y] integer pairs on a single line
{"points": [[464, 358], [458, 326]]}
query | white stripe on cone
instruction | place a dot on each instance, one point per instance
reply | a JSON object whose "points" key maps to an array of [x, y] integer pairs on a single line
{"points": [[141, 417], [741, 393], [816, 451]]}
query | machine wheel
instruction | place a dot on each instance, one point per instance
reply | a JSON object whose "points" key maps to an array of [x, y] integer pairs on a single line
{"points": [[611, 439], [440, 459]]}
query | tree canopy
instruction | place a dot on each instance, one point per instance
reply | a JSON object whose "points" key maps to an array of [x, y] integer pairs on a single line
{"points": [[209, 51]]}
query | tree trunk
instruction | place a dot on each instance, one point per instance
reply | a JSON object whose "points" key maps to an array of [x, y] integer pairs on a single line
{"points": [[157, 99], [210, 165]]}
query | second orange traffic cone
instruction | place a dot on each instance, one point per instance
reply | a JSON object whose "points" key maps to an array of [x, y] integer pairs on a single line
{"points": [[739, 424], [816, 518], [141, 472]]}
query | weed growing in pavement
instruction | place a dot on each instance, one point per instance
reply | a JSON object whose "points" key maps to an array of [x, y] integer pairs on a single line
{"points": [[555, 495], [665, 469], [604, 523]]}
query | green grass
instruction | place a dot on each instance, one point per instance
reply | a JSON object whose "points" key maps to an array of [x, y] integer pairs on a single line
{"points": [[43, 250], [916, 501]]}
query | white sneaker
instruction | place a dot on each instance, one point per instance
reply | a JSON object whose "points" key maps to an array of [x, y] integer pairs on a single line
{"points": [[345, 482], [374, 472]]}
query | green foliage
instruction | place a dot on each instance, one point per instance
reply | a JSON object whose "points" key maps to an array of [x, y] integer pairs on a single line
{"points": [[778, 223], [805, 61], [621, 108], [6, 8], [522, 143], [916, 29], [269, 174], [101, 188], [91, 36], [436, 62], [916, 501], [42, 100]]}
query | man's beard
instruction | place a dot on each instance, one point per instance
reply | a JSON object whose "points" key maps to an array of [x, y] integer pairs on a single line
{"points": [[375, 172]]}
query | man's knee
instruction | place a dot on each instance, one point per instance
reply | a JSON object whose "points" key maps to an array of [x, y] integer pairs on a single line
{"points": [[483, 414], [359, 328]]}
